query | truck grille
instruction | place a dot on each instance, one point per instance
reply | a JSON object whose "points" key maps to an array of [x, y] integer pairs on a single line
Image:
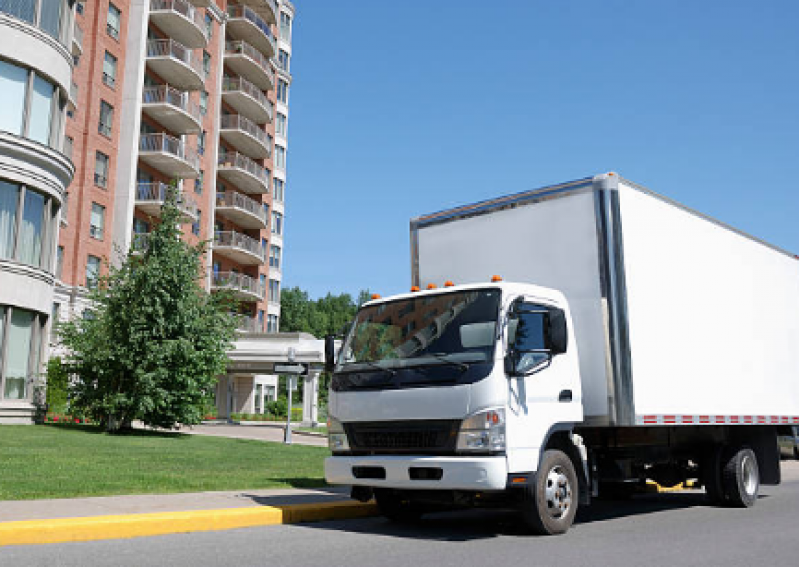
{"points": [[403, 437]]}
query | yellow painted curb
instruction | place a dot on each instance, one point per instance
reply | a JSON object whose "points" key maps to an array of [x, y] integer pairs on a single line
{"points": [[137, 525]]}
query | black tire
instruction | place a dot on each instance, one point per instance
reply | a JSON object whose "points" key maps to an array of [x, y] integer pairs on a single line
{"points": [[740, 477], [551, 498], [395, 507], [711, 477], [796, 453]]}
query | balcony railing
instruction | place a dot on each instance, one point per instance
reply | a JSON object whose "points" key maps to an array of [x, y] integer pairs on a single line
{"points": [[175, 50], [240, 283], [244, 48], [164, 94], [243, 12], [162, 143], [233, 199], [239, 84], [140, 242], [238, 122], [249, 325], [158, 193], [68, 147], [239, 161], [184, 9], [235, 239]]}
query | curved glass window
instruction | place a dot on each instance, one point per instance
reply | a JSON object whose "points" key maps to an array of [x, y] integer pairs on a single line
{"points": [[16, 105], [47, 15], [26, 219], [20, 340]]}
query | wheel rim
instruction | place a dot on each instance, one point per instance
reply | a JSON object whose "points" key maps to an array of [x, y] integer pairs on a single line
{"points": [[749, 475], [558, 493]]}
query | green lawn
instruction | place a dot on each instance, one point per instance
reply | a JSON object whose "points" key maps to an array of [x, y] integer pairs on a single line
{"points": [[53, 461]]}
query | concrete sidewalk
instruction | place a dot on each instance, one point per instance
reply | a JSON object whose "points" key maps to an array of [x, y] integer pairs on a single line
{"points": [[111, 517], [258, 431]]}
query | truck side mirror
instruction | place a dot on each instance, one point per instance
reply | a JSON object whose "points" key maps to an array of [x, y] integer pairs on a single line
{"points": [[557, 333], [330, 353]]}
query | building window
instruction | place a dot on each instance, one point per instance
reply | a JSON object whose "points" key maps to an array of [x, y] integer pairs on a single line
{"points": [[282, 91], [97, 221], [27, 106], [203, 102], [27, 218], [278, 185], [110, 70], [274, 257], [198, 183], [274, 291], [283, 60], [92, 271], [201, 143], [106, 118], [113, 21], [20, 341], [280, 124], [101, 170], [206, 62], [209, 25], [59, 263], [277, 223], [79, 7], [195, 226], [280, 157], [285, 26], [44, 14], [271, 324]]}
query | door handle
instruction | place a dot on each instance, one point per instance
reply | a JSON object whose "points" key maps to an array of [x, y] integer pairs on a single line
{"points": [[565, 396]]}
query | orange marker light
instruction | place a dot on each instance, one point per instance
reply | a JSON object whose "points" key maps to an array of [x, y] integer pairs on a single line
{"points": [[431, 286], [375, 296], [448, 283], [496, 278], [414, 289]]}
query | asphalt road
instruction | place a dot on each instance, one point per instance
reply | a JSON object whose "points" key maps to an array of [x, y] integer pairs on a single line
{"points": [[665, 529]]}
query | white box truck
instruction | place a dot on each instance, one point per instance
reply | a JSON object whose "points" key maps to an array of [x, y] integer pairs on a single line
{"points": [[597, 335]]}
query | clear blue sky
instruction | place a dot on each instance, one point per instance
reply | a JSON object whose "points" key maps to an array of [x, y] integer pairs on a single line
{"points": [[404, 108]]}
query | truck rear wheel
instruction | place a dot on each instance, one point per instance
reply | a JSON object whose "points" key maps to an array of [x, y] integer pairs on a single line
{"points": [[551, 499], [741, 477], [395, 507]]}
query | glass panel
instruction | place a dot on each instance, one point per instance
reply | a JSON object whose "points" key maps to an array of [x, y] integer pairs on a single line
{"points": [[22, 9], [51, 16], [9, 196], [41, 111], [20, 333], [30, 232], [12, 96]]}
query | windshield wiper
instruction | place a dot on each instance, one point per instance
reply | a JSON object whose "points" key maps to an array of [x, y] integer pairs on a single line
{"points": [[372, 366], [442, 357]]}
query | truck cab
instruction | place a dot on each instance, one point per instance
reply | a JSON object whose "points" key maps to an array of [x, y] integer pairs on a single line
{"points": [[453, 394]]}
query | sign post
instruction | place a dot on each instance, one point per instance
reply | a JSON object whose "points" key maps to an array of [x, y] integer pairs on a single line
{"points": [[292, 370]]}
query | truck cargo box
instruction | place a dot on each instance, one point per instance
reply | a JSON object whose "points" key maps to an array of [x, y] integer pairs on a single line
{"points": [[679, 318]]}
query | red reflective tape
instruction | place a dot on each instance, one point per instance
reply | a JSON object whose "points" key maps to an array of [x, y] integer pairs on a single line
{"points": [[687, 419], [704, 419], [748, 419], [720, 419], [761, 419], [734, 419]]}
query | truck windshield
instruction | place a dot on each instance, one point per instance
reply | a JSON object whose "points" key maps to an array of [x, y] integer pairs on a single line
{"points": [[446, 337]]}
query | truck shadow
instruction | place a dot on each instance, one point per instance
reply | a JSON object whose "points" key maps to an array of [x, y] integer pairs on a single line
{"points": [[468, 525]]}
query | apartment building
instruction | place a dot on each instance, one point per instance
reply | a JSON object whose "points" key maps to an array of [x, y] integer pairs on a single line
{"points": [[164, 95]]}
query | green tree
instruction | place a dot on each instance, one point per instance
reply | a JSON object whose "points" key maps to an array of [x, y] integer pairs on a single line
{"points": [[153, 342]]}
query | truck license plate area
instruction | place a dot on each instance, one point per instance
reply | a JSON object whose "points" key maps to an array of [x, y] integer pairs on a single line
{"points": [[425, 473], [369, 472], [403, 437]]}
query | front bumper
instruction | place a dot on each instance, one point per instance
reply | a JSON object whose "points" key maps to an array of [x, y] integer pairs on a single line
{"points": [[457, 473]]}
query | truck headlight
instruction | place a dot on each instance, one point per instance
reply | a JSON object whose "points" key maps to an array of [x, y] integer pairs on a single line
{"points": [[336, 437], [483, 432]]}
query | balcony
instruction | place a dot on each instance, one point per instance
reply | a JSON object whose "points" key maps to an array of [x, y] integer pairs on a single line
{"points": [[250, 63], [72, 101], [139, 242], [179, 20], [245, 135], [249, 325], [244, 287], [172, 109], [169, 156], [150, 199], [240, 248], [244, 23], [247, 99], [168, 58], [267, 9], [242, 172], [245, 212], [77, 40]]}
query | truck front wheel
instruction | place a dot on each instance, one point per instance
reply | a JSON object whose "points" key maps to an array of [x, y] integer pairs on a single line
{"points": [[741, 477], [551, 498]]}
